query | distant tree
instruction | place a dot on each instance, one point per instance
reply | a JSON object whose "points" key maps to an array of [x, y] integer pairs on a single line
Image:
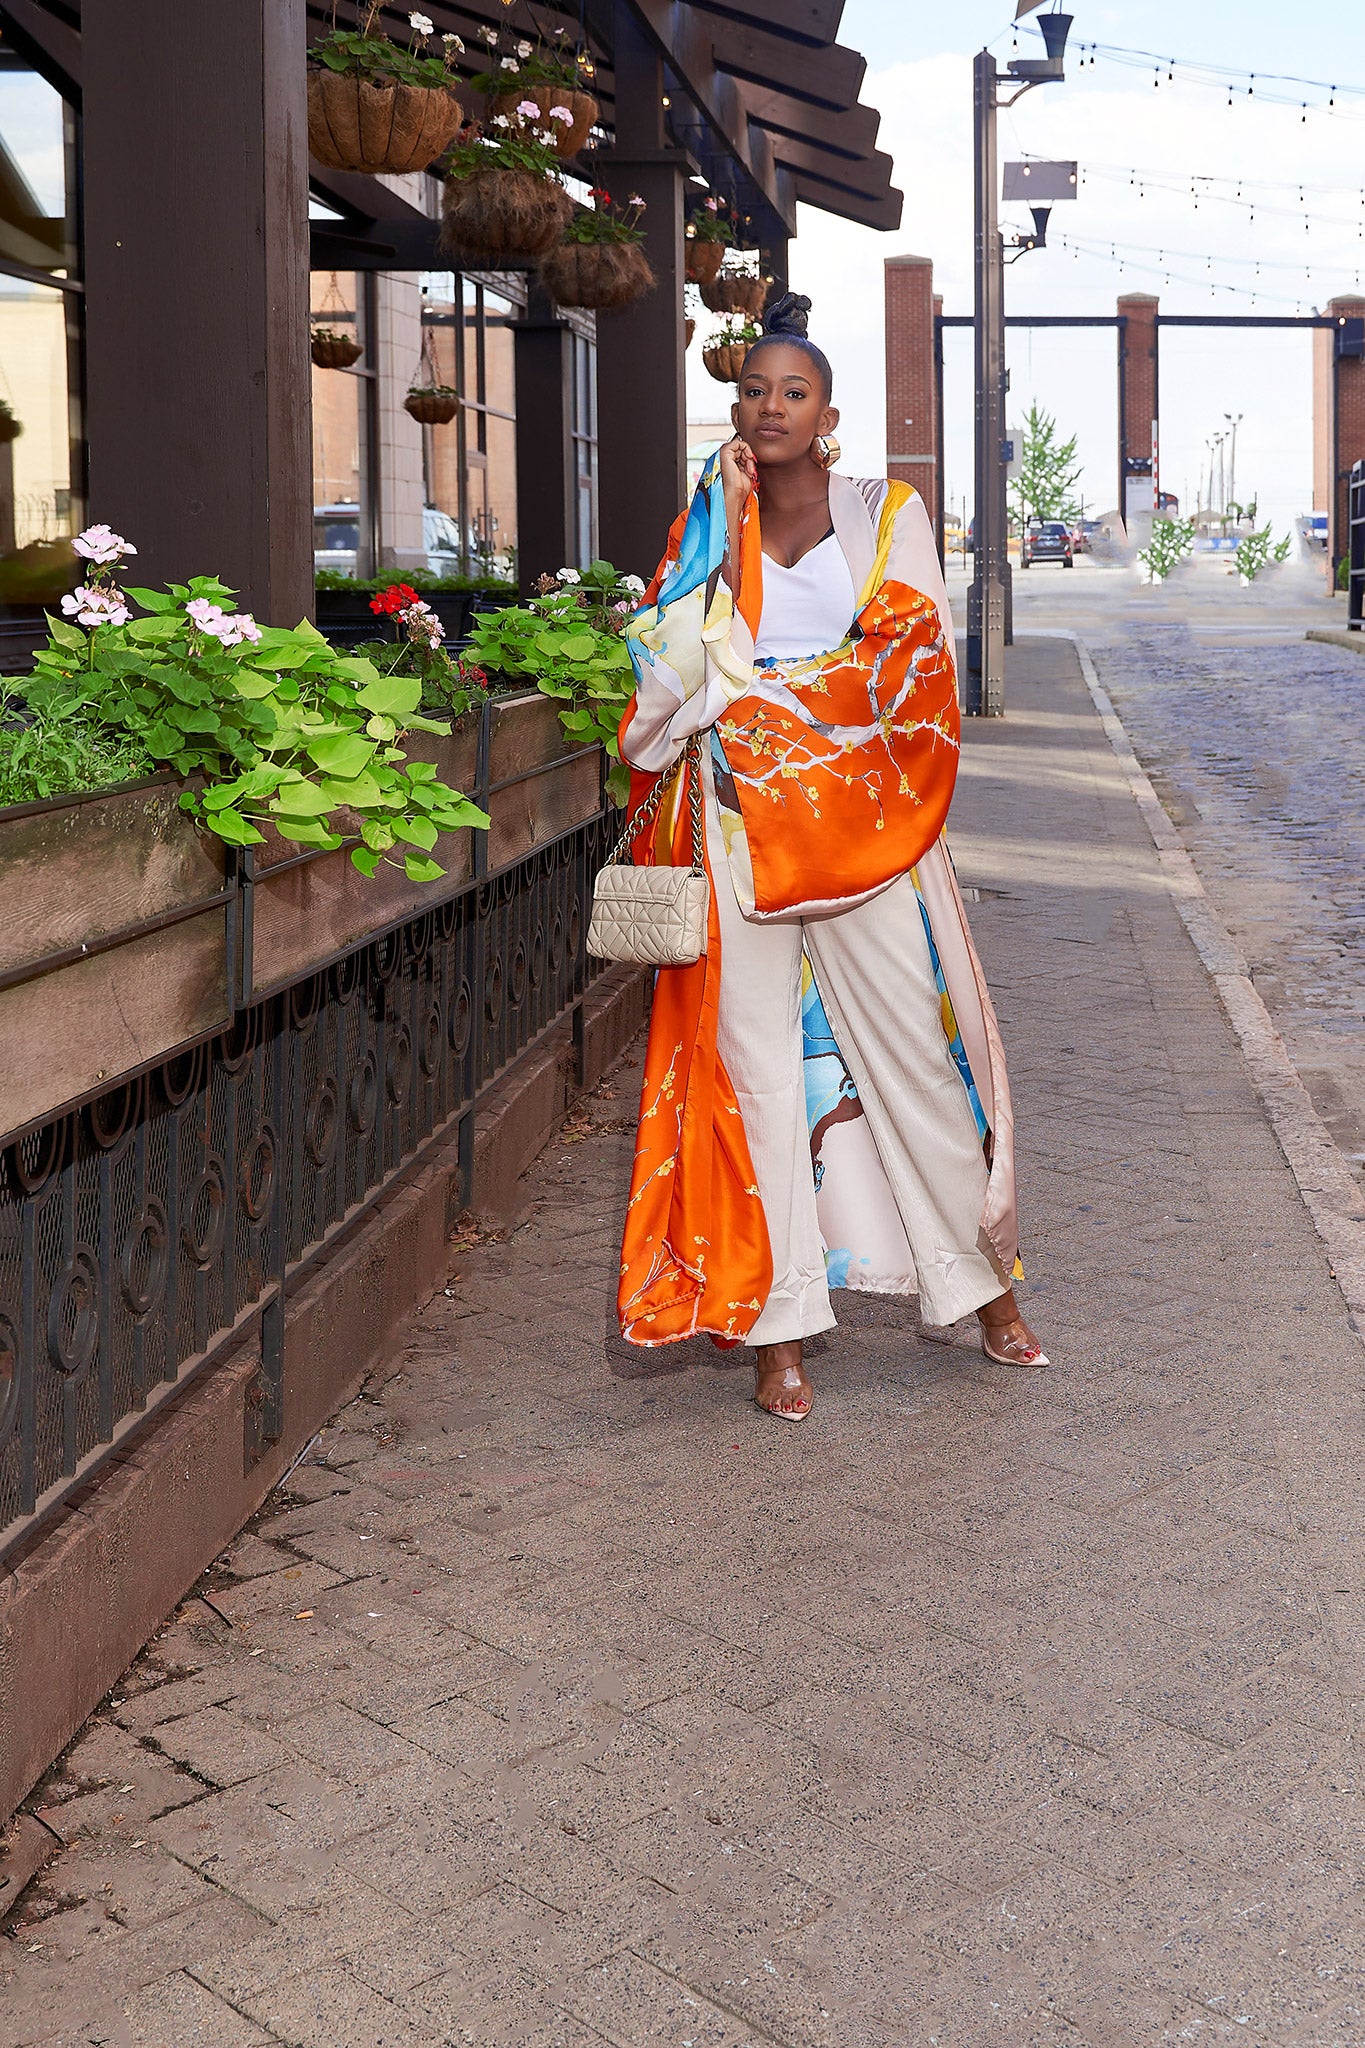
{"points": [[1043, 486]]}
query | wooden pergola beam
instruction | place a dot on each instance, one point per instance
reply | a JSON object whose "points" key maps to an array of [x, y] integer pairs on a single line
{"points": [[850, 135], [829, 77], [815, 21]]}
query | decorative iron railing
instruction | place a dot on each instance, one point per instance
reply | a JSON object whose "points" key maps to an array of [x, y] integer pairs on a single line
{"points": [[144, 1234]]}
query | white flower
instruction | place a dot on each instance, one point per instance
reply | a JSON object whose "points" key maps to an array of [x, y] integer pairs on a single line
{"points": [[423, 24], [101, 545], [568, 576], [633, 583], [523, 49], [636, 200], [501, 121], [562, 114], [90, 606], [528, 109], [490, 36], [509, 64], [545, 135], [453, 43]]}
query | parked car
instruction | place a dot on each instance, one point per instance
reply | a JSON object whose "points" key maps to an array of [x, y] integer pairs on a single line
{"points": [[336, 540], [1048, 541]]}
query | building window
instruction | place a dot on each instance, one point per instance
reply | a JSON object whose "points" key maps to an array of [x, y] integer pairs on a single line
{"points": [[345, 502], [42, 450], [471, 464]]}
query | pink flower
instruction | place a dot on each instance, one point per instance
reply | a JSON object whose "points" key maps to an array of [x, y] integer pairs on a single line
{"points": [[528, 109], [90, 606], [561, 114], [102, 545]]}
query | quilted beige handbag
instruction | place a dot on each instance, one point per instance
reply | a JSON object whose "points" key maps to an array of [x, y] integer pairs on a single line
{"points": [[654, 916]]}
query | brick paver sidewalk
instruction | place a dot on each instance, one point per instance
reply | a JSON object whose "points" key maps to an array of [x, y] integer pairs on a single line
{"points": [[565, 1699]]}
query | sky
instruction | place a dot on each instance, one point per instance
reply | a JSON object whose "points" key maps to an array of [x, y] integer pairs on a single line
{"points": [[1181, 194]]}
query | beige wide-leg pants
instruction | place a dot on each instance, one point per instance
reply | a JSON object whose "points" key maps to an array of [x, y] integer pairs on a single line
{"points": [[876, 980]]}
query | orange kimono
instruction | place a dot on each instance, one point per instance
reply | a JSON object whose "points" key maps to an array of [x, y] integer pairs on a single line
{"points": [[830, 786]]}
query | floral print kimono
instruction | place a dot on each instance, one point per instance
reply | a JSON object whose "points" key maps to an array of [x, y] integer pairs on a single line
{"points": [[833, 778]]}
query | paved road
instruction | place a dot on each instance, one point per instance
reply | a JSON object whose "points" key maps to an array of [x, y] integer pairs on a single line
{"points": [[1255, 741], [566, 1700]]}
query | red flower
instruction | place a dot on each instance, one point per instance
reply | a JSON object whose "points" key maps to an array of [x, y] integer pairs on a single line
{"points": [[396, 598]]}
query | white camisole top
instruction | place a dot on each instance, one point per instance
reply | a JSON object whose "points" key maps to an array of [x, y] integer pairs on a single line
{"points": [[808, 608]]}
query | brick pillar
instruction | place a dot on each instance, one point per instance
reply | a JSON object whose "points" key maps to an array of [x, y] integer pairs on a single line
{"points": [[911, 414], [1339, 390], [1137, 411]]}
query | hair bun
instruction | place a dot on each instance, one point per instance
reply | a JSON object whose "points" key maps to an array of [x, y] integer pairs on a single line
{"points": [[788, 316]]}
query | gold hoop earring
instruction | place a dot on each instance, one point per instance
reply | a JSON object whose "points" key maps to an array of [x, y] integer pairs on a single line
{"points": [[825, 450]]}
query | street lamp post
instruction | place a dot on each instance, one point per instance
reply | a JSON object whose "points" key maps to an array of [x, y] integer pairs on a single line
{"points": [[985, 679], [1232, 458]]}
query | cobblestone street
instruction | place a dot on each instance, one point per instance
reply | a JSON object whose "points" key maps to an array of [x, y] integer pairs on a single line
{"points": [[563, 1699]]}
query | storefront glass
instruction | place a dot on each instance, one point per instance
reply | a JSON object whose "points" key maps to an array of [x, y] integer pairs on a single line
{"points": [[41, 450]]}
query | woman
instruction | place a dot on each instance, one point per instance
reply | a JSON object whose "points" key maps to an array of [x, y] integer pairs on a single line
{"points": [[825, 1100]]}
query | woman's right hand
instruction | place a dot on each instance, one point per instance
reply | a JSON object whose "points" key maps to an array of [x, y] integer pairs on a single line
{"points": [[738, 472]]}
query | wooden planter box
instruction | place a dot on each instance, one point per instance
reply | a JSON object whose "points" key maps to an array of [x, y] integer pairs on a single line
{"points": [[124, 932], [114, 943]]}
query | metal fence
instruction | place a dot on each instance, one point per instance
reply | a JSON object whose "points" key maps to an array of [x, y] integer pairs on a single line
{"points": [[145, 1234]]}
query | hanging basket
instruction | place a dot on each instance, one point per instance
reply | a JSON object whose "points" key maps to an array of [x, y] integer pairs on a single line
{"points": [[702, 261], [431, 405], [355, 126], [335, 351], [600, 274], [582, 105], [735, 291], [499, 218], [725, 360]]}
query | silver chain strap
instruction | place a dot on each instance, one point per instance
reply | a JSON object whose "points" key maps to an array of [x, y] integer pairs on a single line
{"points": [[688, 762]]}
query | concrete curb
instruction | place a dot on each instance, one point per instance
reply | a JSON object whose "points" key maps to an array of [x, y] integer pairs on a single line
{"points": [[1338, 636], [1329, 1189]]}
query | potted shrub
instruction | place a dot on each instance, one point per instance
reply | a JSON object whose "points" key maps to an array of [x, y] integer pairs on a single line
{"points": [[601, 261], [331, 350], [262, 724], [709, 235], [435, 405], [345, 604], [724, 353], [504, 200], [736, 291], [549, 76], [567, 640], [374, 105]]}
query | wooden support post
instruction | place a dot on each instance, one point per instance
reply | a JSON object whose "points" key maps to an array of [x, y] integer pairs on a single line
{"points": [[199, 413], [642, 406], [546, 525]]}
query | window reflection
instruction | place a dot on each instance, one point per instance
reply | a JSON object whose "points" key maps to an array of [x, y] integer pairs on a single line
{"points": [[471, 463], [342, 508], [41, 452]]}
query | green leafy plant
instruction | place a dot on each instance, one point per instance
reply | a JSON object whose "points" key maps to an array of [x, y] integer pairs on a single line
{"points": [[450, 685], [47, 751], [603, 222], [265, 724], [515, 61], [425, 580], [1044, 484], [1254, 553], [512, 143], [736, 331], [567, 641], [711, 223], [1172, 540], [365, 52]]}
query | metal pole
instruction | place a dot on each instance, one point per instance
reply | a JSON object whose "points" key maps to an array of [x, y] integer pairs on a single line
{"points": [[985, 694]]}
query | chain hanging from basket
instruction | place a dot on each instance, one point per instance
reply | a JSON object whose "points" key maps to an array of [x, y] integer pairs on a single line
{"points": [[332, 348], [429, 400]]}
